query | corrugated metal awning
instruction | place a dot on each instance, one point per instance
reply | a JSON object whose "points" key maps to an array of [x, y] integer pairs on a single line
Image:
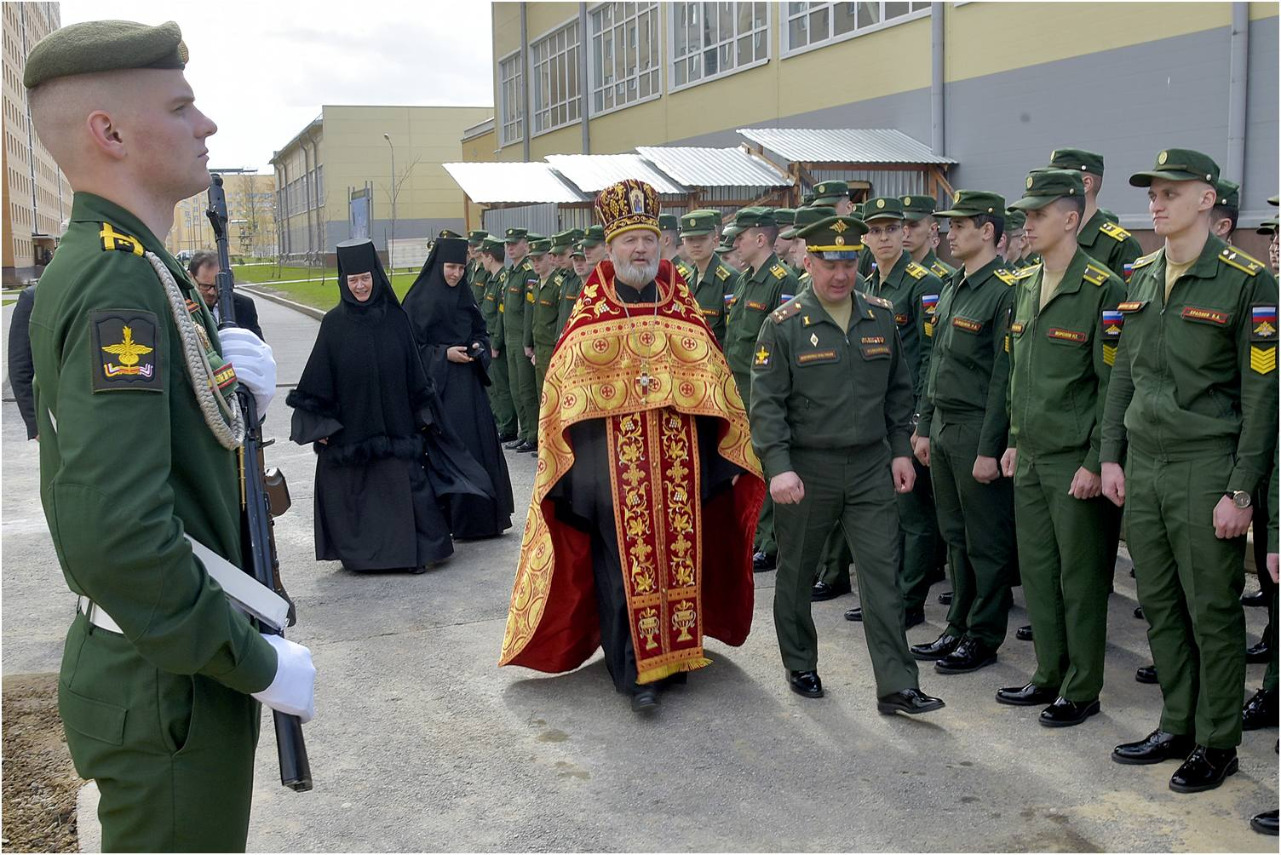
{"points": [[696, 166], [843, 145], [594, 172], [509, 183]]}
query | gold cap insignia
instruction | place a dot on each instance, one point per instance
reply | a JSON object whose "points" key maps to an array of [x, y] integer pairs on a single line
{"points": [[956, 197], [839, 227], [907, 200], [880, 203], [840, 241], [1162, 157], [1029, 182]]}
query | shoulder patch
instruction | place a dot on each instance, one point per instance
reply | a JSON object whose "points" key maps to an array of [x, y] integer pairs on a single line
{"points": [[879, 301], [722, 272], [1030, 270], [1095, 275], [114, 241], [939, 270], [1006, 276], [125, 352], [786, 311], [779, 271], [916, 271], [1235, 258], [1114, 231], [1145, 260]]}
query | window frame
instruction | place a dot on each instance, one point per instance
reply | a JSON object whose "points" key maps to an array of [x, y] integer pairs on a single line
{"points": [[673, 61], [518, 87], [786, 50], [656, 9], [574, 103]]}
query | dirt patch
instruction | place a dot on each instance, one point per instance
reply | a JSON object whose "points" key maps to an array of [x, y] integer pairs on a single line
{"points": [[40, 784]]}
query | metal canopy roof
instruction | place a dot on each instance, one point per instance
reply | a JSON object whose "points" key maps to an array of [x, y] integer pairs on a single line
{"points": [[696, 166], [506, 183], [594, 172], [843, 145]]}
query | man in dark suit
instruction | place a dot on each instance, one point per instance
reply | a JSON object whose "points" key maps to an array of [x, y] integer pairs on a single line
{"points": [[20, 371], [203, 268]]}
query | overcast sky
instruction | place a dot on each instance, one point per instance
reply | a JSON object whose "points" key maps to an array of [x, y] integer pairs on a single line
{"points": [[262, 70]]}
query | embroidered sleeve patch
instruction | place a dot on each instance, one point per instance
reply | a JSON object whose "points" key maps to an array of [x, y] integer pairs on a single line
{"points": [[529, 296], [761, 358], [1263, 323], [1213, 316], [1113, 323], [1059, 334], [125, 354], [1263, 358], [930, 303]]}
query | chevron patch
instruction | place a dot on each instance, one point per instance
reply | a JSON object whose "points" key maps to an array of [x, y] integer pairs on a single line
{"points": [[1263, 359]]}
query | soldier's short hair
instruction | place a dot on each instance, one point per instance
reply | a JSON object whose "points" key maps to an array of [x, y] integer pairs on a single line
{"points": [[1072, 203], [499, 254], [1221, 212], [998, 224]]}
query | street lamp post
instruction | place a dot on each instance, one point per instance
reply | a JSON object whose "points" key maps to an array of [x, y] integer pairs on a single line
{"points": [[392, 188]]}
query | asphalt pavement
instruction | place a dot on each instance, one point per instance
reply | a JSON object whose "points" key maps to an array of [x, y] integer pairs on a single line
{"points": [[421, 742]]}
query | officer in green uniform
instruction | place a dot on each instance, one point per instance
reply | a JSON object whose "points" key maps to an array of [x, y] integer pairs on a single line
{"points": [[519, 282], [831, 420], [760, 289], [805, 217], [546, 304], [962, 434], [476, 275], [1100, 236], [493, 252], [711, 279], [1063, 340], [161, 677], [920, 230], [1192, 411]]}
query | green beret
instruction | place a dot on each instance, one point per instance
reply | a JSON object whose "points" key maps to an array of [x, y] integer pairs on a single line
{"points": [[807, 217], [754, 217], [883, 207], [1179, 164], [917, 207], [827, 190], [1046, 185], [1227, 194], [971, 203], [834, 238], [668, 223], [1078, 159], [96, 46], [701, 222]]}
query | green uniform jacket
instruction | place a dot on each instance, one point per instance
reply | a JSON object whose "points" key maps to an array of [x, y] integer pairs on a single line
{"points": [[941, 269], [1109, 244], [685, 269], [570, 287], [127, 464], [1197, 374], [1060, 360], [491, 308], [711, 293], [969, 366], [756, 294], [518, 282], [866, 263], [906, 286], [525, 272], [546, 305], [815, 385], [477, 278]]}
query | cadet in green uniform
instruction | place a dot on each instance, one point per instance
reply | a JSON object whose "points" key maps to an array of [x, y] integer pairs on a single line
{"points": [[573, 284], [546, 304], [1063, 340], [519, 282], [1226, 210], [562, 244], [785, 219], [962, 434], [1100, 236], [1192, 410], [669, 243], [711, 280], [1013, 242], [831, 420], [920, 230], [760, 289], [161, 677], [492, 254], [476, 275]]}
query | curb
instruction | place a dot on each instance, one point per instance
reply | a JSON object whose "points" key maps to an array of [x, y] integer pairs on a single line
{"points": [[309, 311]]}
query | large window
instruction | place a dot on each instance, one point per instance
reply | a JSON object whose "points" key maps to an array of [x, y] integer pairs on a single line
{"points": [[713, 39], [625, 55], [556, 87], [811, 24], [511, 94]]}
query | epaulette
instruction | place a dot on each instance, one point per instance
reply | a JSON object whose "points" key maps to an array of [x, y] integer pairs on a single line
{"points": [[1095, 275], [1112, 230], [114, 241], [1145, 260], [1235, 258], [779, 271], [879, 301], [939, 270], [722, 272], [1006, 276], [786, 311], [1030, 270], [916, 271]]}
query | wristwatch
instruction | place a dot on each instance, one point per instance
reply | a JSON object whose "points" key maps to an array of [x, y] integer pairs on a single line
{"points": [[1240, 499]]}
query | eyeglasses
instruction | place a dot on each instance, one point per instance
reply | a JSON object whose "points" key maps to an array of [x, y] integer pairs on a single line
{"points": [[884, 231]]}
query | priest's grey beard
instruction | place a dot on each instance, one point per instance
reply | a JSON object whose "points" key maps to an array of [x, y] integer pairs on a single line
{"points": [[636, 275]]}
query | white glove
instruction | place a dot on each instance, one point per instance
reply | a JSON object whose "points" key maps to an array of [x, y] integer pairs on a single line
{"points": [[293, 690], [255, 366]]}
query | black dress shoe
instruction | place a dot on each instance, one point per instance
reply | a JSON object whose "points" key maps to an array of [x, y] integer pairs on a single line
{"points": [[911, 617], [1138, 612], [645, 699], [1146, 674], [1030, 695], [513, 444], [1259, 654], [805, 683], [945, 598], [1205, 769], [1265, 823], [910, 701], [1023, 633], [1157, 747], [970, 655], [1260, 711], [762, 562], [508, 437], [526, 448], [936, 649], [854, 614], [1065, 713], [823, 591], [1256, 600]]}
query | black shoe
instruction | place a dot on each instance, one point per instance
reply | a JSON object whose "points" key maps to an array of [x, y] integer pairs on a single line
{"points": [[1259, 654], [1138, 612], [823, 591], [970, 655], [1030, 695], [418, 571], [1157, 747], [1265, 823], [513, 444], [854, 614], [1065, 713], [936, 649], [1256, 600], [1023, 633], [645, 699], [1205, 769], [762, 562], [911, 617], [805, 683], [1146, 674], [945, 598], [1260, 711], [526, 447], [910, 701]]}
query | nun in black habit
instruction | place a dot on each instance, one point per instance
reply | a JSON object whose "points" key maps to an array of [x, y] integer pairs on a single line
{"points": [[372, 414], [454, 347]]}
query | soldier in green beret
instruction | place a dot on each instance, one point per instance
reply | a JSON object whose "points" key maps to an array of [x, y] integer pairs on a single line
{"points": [[519, 281], [831, 419], [1192, 412], [161, 677], [712, 279], [493, 252], [921, 235], [962, 434], [1100, 236], [544, 310], [1063, 341]]}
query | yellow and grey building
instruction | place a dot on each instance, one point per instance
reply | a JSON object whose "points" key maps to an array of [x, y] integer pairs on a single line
{"points": [[251, 217]]}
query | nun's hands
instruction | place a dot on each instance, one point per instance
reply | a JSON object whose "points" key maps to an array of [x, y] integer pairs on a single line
{"points": [[458, 354]]}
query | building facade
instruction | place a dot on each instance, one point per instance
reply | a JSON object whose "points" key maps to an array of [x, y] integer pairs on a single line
{"points": [[37, 196], [370, 172], [251, 217], [995, 86]]}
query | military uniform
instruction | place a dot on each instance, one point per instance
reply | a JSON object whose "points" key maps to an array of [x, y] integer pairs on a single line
{"points": [[712, 289], [916, 208], [1192, 410], [571, 287], [519, 282], [499, 390], [1100, 236], [543, 332]]}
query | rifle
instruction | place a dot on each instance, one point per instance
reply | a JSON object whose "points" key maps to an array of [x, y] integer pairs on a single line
{"points": [[256, 492]]}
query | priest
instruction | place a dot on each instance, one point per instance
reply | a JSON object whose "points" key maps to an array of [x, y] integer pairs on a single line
{"points": [[640, 526]]}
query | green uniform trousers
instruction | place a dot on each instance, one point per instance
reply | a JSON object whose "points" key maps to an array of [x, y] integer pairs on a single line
{"points": [[765, 541], [542, 356], [1062, 546], [500, 397], [1189, 585], [173, 754], [852, 487], [977, 521], [524, 391]]}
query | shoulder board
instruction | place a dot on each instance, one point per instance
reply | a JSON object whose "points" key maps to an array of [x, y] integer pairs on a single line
{"points": [[1006, 276], [1145, 260], [916, 271], [939, 270], [879, 301], [1112, 230], [1235, 258], [558, 279], [114, 241], [1095, 275], [786, 311], [722, 272], [1030, 270], [779, 271]]}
